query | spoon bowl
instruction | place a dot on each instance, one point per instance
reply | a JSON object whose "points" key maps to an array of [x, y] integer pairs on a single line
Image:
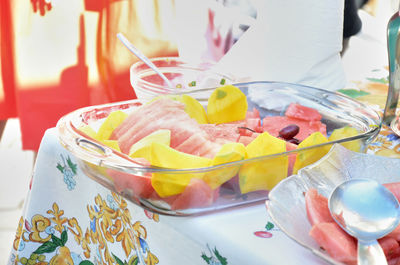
{"points": [[368, 211]]}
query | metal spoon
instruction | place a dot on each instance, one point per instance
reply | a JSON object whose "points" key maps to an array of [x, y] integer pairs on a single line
{"points": [[143, 58], [368, 211]]}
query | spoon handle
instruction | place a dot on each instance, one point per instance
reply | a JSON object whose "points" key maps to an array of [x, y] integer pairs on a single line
{"points": [[370, 253], [142, 57]]}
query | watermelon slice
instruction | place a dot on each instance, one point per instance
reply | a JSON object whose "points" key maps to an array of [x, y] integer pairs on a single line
{"points": [[395, 233], [254, 113], [273, 124], [292, 157], [140, 186], [339, 245], [317, 207], [301, 112], [389, 246], [394, 187], [196, 195]]}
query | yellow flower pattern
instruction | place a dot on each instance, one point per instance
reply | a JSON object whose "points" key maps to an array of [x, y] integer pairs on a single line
{"points": [[108, 225]]}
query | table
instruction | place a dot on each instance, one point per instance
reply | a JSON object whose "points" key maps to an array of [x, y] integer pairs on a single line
{"points": [[69, 216]]}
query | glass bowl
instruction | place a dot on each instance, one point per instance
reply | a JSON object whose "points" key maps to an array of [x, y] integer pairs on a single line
{"points": [[184, 76], [132, 178], [286, 202]]}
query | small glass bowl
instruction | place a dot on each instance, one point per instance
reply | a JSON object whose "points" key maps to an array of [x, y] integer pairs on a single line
{"points": [[185, 78]]}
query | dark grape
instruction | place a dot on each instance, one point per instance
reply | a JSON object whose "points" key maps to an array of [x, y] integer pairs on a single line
{"points": [[289, 131]]}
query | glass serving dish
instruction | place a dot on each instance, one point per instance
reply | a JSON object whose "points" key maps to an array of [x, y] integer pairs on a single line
{"points": [[134, 179], [286, 202]]}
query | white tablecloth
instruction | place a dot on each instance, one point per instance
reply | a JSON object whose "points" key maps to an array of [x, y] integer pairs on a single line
{"points": [[67, 215]]}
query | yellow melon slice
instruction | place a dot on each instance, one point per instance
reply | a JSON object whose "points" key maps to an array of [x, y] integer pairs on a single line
{"points": [[229, 152], [346, 132], [308, 157], [226, 104], [167, 184], [113, 120], [265, 174], [142, 148]]}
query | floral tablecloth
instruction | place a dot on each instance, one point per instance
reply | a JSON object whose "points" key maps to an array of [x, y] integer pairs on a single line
{"points": [[373, 91], [70, 219]]}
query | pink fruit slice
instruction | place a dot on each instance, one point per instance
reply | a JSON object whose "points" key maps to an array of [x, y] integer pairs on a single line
{"points": [[339, 245], [317, 207], [302, 112], [196, 195]]}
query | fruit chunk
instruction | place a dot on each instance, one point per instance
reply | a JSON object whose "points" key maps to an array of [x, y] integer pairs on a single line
{"points": [[89, 131], [167, 184], [302, 112], [265, 174], [113, 120], [307, 157], [142, 148], [226, 104], [317, 207], [197, 194], [194, 108], [228, 153], [339, 245], [346, 132], [112, 144]]}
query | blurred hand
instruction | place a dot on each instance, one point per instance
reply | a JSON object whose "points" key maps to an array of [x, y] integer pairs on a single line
{"points": [[41, 5]]}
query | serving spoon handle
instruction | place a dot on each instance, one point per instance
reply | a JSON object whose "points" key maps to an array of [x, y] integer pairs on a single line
{"points": [[370, 253]]}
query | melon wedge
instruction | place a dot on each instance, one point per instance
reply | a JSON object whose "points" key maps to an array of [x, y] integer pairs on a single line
{"points": [[168, 184], [317, 207], [265, 174], [226, 104], [345, 132], [308, 157], [339, 245], [113, 120], [229, 152], [142, 148]]}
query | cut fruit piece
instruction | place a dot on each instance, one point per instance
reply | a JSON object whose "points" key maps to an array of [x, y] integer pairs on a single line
{"points": [[113, 120], [112, 144], [174, 183], [308, 157], [89, 131], [317, 207], [142, 148], [194, 108], [339, 245], [302, 112], [226, 104], [197, 194], [228, 153], [346, 132], [265, 174]]}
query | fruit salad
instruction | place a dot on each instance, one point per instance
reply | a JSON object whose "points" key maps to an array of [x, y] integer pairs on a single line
{"points": [[178, 132]]}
